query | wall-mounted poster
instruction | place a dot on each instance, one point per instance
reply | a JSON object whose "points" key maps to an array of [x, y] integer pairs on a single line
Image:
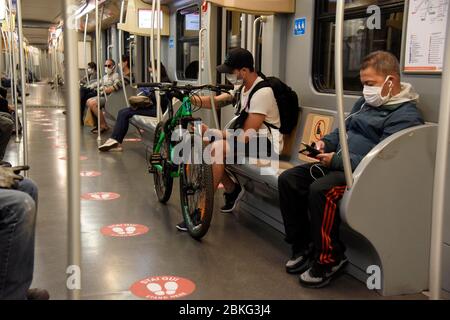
{"points": [[425, 36]]}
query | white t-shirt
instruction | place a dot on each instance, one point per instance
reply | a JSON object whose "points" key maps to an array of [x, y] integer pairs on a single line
{"points": [[264, 102]]}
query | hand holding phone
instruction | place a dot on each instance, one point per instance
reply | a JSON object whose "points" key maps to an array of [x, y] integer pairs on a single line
{"points": [[310, 150]]}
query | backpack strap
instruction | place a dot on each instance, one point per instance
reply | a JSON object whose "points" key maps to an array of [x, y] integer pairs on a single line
{"points": [[262, 84]]}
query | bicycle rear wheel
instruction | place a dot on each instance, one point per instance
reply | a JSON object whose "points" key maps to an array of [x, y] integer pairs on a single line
{"points": [[162, 178]]}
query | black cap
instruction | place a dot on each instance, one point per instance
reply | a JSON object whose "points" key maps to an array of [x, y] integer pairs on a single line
{"points": [[237, 59]]}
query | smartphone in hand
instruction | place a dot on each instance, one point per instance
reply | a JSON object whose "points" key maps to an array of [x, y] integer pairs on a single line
{"points": [[310, 151]]}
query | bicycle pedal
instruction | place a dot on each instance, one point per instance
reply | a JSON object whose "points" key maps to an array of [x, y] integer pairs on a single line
{"points": [[156, 159]]}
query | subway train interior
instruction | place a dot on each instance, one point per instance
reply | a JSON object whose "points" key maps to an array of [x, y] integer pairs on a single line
{"points": [[106, 192]]}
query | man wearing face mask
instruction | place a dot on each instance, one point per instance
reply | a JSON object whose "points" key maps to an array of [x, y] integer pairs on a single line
{"points": [[111, 82], [309, 193], [258, 112]]}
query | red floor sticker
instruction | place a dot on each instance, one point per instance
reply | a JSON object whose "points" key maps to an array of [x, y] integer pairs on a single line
{"points": [[60, 146], [133, 140], [124, 230], [49, 130], [82, 158], [90, 174], [100, 196], [163, 288]]}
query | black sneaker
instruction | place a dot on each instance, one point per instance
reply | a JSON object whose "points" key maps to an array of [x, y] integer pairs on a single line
{"points": [[182, 226], [37, 294], [231, 199], [299, 262], [320, 275]]}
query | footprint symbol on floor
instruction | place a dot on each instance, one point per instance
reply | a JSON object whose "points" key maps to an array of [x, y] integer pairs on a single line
{"points": [[170, 288], [121, 231]]}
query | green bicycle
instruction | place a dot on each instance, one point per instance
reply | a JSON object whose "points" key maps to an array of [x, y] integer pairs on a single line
{"points": [[196, 177]]}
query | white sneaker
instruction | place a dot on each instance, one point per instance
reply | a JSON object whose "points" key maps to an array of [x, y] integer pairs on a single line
{"points": [[116, 149], [108, 145]]}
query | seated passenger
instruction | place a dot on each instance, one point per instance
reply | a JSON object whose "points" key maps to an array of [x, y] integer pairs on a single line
{"points": [[110, 83], [309, 193], [260, 114], [18, 203], [88, 87], [124, 115]]}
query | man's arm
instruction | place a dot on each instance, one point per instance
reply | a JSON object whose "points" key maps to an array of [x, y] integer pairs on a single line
{"points": [[205, 101]]}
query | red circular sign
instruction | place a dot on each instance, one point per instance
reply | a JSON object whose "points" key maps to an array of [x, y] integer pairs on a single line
{"points": [[82, 158], [100, 196], [124, 230], [133, 140], [163, 288], [90, 173]]}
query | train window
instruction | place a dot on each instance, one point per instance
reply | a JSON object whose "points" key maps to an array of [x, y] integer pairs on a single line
{"points": [[359, 39], [235, 34], [188, 27]]}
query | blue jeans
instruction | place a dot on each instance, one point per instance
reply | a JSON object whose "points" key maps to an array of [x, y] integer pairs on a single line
{"points": [[17, 228], [123, 117]]}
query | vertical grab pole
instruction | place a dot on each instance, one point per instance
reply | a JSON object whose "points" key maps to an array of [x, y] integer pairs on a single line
{"points": [[97, 47], [439, 194], [200, 45], [22, 73], [158, 58], [122, 7], [339, 36], [255, 22], [131, 59], [152, 43], [210, 78], [86, 21], [11, 71], [73, 134]]}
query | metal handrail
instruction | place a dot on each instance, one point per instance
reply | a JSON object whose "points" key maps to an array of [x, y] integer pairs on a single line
{"points": [[85, 48], [97, 47], [261, 19], [338, 62], [73, 134], [122, 8], [22, 72], [439, 189]]}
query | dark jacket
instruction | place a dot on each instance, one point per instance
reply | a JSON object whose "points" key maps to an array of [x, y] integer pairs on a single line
{"points": [[368, 126]]}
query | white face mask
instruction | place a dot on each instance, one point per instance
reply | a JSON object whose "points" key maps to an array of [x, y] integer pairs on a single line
{"points": [[108, 71], [233, 79], [90, 71], [373, 96]]}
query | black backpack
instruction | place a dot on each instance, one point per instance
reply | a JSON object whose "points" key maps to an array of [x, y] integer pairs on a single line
{"points": [[287, 101]]}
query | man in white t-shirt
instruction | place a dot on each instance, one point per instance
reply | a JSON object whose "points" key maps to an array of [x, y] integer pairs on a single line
{"points": [[259, 115]]}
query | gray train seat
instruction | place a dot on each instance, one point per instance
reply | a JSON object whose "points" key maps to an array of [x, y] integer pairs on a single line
{"points": [[391, 196], [147, 125], [116, 101]]}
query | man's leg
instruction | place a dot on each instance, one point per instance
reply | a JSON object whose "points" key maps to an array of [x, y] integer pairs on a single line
{"points": [[323, 199], [293, 189], [17, 229]]}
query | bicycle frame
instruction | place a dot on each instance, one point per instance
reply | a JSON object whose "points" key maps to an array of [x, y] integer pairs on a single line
{"points": [[184, 111]]}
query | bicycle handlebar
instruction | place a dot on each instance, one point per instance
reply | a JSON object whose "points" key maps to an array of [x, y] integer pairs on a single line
{"points": [[188, 87]]}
